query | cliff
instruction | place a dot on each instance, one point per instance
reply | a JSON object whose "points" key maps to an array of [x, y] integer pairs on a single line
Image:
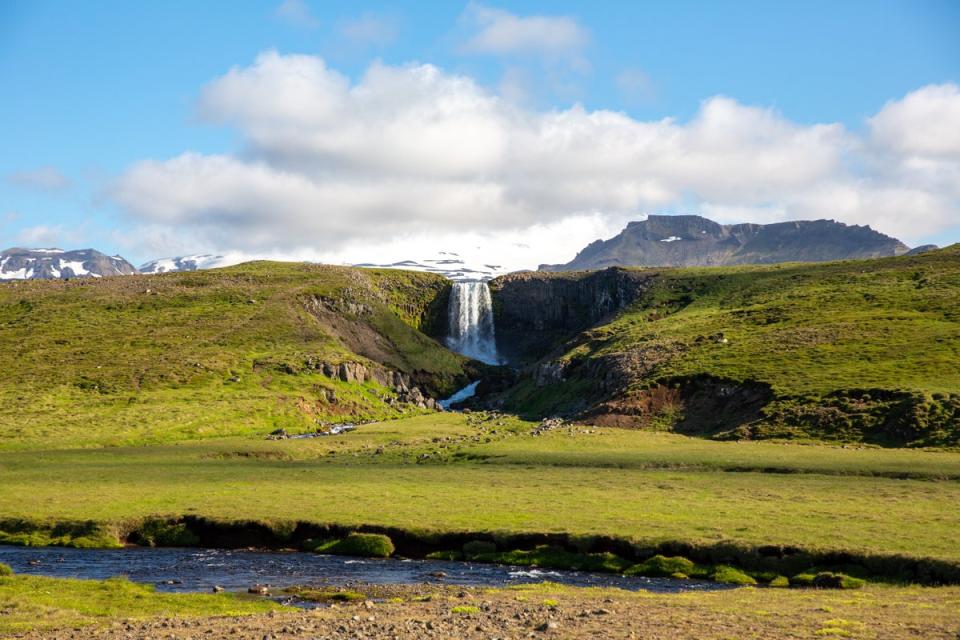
{"points": [[536, 313]]}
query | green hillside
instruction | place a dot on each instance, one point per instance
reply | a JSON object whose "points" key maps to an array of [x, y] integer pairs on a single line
{"points": [[230, 351], [859, 350]]}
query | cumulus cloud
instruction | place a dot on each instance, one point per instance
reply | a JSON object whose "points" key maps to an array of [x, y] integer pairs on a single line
{"points": [[47, 179], [297, 13], [409, 152], [925, 123], [500, 32]]}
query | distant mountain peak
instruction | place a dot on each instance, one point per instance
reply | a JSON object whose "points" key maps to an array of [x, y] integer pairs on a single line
{"points": [[692, 240], [184, 263], [18, 263]]}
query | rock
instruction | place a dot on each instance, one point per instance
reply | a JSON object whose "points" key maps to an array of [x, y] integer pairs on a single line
{"points": [[218, 589], [547, 626], [259, 589]]}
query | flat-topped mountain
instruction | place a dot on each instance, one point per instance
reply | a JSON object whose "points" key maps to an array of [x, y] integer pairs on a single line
{"points": [[689, 241], [53, 264]]}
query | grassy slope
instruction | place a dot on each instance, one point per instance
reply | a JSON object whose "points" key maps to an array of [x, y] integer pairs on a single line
{"points": [[344, 480], [807, 331], [192, 355]]}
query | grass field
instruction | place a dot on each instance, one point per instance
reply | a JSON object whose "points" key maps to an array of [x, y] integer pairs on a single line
{"points": [[645, 487], [32, 603]]}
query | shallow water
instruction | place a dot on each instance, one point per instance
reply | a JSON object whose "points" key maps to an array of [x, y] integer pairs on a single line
{"points": [[192, 570]]}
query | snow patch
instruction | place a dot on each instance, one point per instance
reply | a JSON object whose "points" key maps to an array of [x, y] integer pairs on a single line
{"points": [[672, 239]]}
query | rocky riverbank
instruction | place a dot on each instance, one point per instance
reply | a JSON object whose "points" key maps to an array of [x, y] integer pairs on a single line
{"points": [[548, 611]]}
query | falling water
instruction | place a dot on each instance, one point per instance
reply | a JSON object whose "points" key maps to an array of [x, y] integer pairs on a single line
{"points": [[471, 322]]}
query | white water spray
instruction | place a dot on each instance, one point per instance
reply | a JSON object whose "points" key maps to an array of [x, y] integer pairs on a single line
{"points": [[471, 322]]}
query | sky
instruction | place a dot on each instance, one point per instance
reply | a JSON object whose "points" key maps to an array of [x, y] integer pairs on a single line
{"points": [[514, 133]]}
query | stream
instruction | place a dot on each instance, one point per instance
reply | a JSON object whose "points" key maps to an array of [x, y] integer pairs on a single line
{"points": [[199, 570]]}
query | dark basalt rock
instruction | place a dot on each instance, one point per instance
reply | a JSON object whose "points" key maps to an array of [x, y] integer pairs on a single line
{"points": [[535, 313]]}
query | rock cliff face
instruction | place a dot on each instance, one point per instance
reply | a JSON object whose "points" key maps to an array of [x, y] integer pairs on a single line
{"points": [[535, 313], [686, 241]]}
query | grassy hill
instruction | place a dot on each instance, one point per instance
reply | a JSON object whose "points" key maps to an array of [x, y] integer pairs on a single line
{"points": [[240, 350], [858, 350]]}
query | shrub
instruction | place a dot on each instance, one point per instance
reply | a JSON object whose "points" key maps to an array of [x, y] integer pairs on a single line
{"points": [[5, 570], [780, 582], [478, 547], [662, 567], [445, 555], [729, 575], [366, 545]]}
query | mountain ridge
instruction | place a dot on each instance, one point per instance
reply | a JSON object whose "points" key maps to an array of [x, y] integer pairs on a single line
{"points": [[696, 241]]}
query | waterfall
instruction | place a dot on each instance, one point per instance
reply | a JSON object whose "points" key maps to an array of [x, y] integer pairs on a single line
{"points": [[471, 322]]}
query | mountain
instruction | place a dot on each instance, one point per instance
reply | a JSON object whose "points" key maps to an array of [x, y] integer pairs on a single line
{"points": [[184, 263], [689, 240], [447, 264], [52, 264]]}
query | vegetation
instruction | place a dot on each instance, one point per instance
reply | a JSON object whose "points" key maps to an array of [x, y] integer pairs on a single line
{"points": [[154, 359], [662, 567], [325, 595], [849, 351], [673, 495], [31, 603], [365, 545]]}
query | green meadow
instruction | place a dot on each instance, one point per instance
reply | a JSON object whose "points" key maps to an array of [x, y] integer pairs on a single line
{"points": [[454, 472]]}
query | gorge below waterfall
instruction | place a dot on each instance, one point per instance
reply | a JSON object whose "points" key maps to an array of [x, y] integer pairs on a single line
{"points": [[471, 330]]}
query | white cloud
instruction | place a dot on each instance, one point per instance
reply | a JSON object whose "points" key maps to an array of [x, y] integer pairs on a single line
{"points": [[48, 179], [409, 153], [925, 123], [369, 29], [297, 13], [500, 32]]}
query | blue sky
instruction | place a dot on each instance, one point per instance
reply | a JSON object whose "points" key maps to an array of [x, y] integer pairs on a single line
{"points": [[91, 89]]}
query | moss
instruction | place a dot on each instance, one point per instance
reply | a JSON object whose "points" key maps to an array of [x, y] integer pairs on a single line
{"points": [[729, 575], [780, 582], [162, 533], [830, 580], [478, 547], [558, 558], [325, 595], [366, 545], [802, 580], [465, 610], [662, 567], [5, 570], [445, 555]]}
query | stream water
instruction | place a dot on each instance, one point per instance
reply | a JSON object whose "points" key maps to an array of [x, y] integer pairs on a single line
{"points": [[195, 570]]}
